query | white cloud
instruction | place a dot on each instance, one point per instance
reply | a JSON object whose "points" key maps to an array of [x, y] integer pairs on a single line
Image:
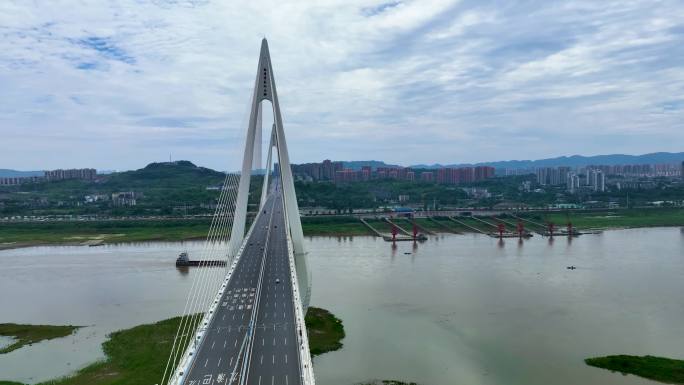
{"points": [[116, 85]]}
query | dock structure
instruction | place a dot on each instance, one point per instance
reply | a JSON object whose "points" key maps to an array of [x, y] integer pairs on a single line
{"points": [[398, 227], [390, 237], [371, 228], [432, 219], [421, 228], [468, 226], [525, 233], [571, 231]]}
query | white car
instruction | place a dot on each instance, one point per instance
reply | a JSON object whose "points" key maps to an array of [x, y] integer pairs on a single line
{"points": [[277, 280]]}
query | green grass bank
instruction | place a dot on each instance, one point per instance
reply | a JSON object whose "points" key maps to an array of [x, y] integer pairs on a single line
{"points": [[137, 356], [665, 370], [618, 218], [325, 331], [31, 334]]}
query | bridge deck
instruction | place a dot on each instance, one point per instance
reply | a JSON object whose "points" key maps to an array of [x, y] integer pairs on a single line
{"points": [[252, 292]]}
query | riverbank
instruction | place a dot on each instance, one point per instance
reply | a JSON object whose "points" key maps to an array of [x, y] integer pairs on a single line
{"points": [[31, 334], [94, 233], [618, 218], [666, 370], [65, 233], [138, 355]]}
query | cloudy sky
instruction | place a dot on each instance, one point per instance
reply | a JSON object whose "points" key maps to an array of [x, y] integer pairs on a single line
{"points": [[118, 84]]}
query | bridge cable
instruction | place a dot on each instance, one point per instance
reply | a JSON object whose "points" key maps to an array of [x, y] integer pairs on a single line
{"points": [[186, 319]]}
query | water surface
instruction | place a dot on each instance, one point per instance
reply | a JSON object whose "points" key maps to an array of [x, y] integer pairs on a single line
{"points": [[457, 309]]}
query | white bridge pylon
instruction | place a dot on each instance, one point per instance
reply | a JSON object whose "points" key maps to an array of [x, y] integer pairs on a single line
{"points": [[265, 89]]}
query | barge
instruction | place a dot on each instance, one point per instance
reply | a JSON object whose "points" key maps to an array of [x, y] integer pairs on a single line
{"points": [[184, 260]]}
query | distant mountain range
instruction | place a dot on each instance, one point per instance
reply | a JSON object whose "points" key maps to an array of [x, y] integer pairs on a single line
{"points": [[358, 164], [575, 161], [6, 173], [571, 161]]}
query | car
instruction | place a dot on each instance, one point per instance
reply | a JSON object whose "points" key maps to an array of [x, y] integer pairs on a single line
{"points": [[277, 280]]}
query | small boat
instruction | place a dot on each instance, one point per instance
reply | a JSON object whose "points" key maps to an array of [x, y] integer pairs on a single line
{"points": [[184, 260]]}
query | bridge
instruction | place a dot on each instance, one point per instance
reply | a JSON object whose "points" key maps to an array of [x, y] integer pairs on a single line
{"points": [[245, 324]]}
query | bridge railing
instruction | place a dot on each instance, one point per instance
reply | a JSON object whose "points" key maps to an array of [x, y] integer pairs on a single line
{"points": [[305, 363], [188, 357]]}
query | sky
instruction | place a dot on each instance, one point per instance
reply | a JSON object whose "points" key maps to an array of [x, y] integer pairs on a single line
{"points": [[118, 84]]}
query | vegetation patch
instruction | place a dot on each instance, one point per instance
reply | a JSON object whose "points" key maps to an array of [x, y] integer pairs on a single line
{"points": [[666, 370], [617, 218], [138, 356], [325, 331], [31, 334], [333, 226]]}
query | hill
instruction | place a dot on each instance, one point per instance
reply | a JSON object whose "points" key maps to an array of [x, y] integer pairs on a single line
{"points": [[181, 173], [7, 173]]}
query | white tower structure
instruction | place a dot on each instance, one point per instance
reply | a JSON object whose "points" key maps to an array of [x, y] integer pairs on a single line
{"points": [[265, 89]]}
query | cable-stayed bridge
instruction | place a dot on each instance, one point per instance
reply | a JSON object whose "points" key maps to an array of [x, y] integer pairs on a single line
{"points": [[245, 324]]}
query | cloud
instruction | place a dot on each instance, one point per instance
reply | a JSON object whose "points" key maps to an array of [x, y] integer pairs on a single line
{"points": [[117, 85]]}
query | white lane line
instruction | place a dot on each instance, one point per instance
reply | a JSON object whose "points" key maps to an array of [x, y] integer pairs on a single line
{"points": [[272, 379], [285, 340], [212, 345], [224, 343], [274, 359], [206, 362], [235, 344], [231, 361], [262, 341], [219, 363], [273, 341], [286, 383], [261, 359], [259, 380]]}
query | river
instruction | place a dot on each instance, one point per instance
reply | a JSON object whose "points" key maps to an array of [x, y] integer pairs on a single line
{"points": [[456, 309]]}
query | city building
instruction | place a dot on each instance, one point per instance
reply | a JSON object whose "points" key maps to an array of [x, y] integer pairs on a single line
{"points": [[573, 182], [95, 198], [77, 173], [427, 176], [477, 192], [597, 179], [17, 180], [124, 198]]}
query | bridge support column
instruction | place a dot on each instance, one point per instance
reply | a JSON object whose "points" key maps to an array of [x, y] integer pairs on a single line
{"points": [[265, 89]]}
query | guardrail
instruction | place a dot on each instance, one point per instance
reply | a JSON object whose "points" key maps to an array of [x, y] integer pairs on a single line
{"points": [[188, 357], [305, 363]]}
